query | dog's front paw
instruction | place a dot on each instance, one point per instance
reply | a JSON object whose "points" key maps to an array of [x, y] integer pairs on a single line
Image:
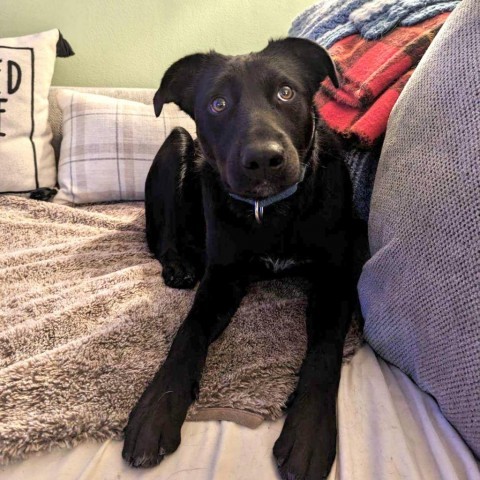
{"points": [[306, 447], [179, 274], [153, 428]]}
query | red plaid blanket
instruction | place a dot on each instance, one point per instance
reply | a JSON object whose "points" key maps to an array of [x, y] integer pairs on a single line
{"points": [[372, 75]]}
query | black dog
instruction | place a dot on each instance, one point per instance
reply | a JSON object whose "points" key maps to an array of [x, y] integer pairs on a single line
{"points": [[263, 188]]}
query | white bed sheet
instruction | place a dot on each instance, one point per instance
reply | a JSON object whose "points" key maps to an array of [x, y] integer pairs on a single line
{"points": [[388, 429]]}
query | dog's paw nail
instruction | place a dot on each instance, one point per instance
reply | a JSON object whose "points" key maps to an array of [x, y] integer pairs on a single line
{"points": [[289, 476]]}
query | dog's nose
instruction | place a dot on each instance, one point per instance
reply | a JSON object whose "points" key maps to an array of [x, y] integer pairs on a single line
{"points": [[261, 158]]}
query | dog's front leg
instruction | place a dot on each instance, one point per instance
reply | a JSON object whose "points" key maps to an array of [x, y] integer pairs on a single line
{"points": [[153, 428], [307, 445]]}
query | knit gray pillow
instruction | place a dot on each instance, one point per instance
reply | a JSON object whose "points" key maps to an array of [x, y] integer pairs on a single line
{"points": [[420, 291]]}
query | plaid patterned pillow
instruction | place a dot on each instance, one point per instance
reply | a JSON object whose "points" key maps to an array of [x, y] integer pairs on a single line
{"points": [[108, 146]]}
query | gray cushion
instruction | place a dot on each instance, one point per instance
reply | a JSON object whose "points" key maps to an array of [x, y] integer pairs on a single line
{"points": [[420, 291]]}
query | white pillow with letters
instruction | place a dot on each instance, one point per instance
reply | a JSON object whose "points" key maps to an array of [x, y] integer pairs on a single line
{"points": [[27, 160]]}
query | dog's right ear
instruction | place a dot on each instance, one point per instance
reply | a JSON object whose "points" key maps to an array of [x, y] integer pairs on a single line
{"points": [[315, 61], [179, 83]]}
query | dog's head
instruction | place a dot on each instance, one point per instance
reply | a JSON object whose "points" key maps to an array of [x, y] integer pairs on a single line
{"points": [[253, 112]]}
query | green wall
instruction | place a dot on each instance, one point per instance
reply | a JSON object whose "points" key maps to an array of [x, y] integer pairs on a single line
{"points": [[131, 43]]}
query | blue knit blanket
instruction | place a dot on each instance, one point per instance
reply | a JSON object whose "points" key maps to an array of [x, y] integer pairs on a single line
{"points": [[329, 21]]}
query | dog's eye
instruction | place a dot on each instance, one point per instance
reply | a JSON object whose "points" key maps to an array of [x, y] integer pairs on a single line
{"points": [[218, 105], [285, 93]]}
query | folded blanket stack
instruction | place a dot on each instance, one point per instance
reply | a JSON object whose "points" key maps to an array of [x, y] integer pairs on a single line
{"points": [[372, 76], [376, 45]]}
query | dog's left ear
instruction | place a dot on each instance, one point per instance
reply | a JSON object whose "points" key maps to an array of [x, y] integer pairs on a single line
{"points": [[313, 58]]}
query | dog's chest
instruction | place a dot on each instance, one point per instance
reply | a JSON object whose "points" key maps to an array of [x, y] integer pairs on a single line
{"points": [[276, 264]]}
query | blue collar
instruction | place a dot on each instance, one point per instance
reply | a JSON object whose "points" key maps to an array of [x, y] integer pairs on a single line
{"points": [[259, 205]]}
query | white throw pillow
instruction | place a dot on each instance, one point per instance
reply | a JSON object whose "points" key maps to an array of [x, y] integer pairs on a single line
{"points": [[108, 146], [27, 160]]}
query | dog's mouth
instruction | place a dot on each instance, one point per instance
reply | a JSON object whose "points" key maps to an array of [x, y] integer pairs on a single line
{"points": [[262, 190], [258, 184]]}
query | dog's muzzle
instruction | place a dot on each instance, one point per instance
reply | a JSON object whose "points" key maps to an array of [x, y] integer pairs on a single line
{"points": [[260, 204]]}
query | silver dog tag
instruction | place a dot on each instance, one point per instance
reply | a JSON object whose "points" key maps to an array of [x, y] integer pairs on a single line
{"points": [[258, 212]]}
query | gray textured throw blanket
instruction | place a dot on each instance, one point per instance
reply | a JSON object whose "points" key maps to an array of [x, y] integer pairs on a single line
{"points": [[85, 321]]}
